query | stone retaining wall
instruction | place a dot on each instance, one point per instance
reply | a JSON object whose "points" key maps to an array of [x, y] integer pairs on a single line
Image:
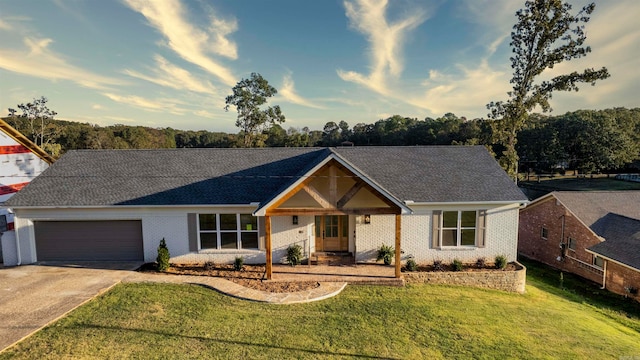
{"points": [[512, 281]]}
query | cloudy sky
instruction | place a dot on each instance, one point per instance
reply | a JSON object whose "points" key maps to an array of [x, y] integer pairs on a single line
{"points": [[170, 63]]}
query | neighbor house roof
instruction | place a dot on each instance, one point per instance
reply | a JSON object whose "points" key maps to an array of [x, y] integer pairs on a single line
{"points": [[24, 141], [613, 215], [214, 176]]}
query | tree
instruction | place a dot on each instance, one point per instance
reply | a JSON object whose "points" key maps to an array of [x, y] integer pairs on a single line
{"points": [[545, 35], [248, 95], [36, 110]]}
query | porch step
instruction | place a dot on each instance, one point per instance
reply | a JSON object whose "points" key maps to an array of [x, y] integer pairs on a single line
{"points": [[332, 258]]}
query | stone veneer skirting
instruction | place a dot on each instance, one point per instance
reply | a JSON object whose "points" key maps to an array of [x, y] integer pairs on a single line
{"points": [[512, 281]]}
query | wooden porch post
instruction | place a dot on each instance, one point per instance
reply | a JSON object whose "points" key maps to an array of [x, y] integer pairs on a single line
{"points": [[398, 247], [267, 246]]}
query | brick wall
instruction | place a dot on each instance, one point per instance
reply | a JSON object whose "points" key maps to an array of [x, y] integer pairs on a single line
{"points": [[619, 277], [513, 281], [551, 214]]}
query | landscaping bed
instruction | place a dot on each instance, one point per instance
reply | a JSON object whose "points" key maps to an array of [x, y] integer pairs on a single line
{"points": [[251, 276]]}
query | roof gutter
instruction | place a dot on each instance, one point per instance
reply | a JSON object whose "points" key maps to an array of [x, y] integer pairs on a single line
{"points": [[438, 203], [134, 206]]}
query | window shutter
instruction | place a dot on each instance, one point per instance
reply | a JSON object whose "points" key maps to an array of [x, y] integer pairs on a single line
{"points": [[481, 222], [435, 226], [192, 227]]}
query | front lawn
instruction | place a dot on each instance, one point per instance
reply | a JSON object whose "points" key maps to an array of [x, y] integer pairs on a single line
{"points": [[419, 321]]}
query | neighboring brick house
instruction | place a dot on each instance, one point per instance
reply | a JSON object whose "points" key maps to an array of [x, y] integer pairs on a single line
{"points": [[435, 203], [592, 234]]}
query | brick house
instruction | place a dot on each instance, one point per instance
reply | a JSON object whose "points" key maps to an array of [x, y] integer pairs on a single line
{"points": [[592, 234]]}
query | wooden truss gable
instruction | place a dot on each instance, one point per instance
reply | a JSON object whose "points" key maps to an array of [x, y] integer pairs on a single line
{"points": [[333, 189]]}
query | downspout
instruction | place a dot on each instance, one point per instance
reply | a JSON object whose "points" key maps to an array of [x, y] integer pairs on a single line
{"points": [[17, 243], [604, 274]]}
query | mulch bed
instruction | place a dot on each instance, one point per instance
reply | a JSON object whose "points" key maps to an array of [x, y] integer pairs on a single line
{"points": [[466, 268], [251, 276]]}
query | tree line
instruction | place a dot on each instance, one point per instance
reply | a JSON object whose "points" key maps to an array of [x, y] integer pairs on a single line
{"points": [[589, 141]]}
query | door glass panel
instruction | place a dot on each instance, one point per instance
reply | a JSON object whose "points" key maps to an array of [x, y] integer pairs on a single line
{"points": [[331, 226], [318, 226], [345, 225]]}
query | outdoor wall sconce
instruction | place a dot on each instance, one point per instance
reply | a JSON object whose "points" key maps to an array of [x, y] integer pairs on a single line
{"points": [[367, 219], [294, 219]]}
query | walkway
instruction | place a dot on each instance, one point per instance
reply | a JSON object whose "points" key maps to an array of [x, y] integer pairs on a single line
{"points": [[324, 291]]}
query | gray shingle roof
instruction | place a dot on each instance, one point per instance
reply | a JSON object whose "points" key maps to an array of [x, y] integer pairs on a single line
{"points": [[243, 176], [435, 173], [613, 215]]}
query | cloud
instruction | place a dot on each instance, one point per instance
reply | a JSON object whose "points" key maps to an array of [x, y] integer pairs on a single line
{"points": [[38, 60], [386, 41], [175, 77], [5, 25], [288, 93], [159, 105], [467, 92], [189, 42], [97, 107]]}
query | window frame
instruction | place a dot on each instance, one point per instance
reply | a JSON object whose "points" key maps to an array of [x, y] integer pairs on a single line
{"points": [[571, 241], [479, 226], [595, 261], [544, 233], [218, 231]]}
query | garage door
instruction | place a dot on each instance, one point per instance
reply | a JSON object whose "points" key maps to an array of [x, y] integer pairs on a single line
{"points": [[88, 240]]}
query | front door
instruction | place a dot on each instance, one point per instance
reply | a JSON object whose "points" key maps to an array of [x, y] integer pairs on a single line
{"points": [[332, 233]]}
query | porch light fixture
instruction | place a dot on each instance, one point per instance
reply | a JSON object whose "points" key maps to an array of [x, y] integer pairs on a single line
{"points": [[294, 219], [367, 219]]}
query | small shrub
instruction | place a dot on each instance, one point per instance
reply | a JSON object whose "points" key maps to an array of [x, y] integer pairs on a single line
{"points": [[457, 265], [438, 265], [294, 254], [501, 261], [386, 254], [238, 263], [630, 290], [163, 256], [209, 265], [411, 265], [481, 262]]}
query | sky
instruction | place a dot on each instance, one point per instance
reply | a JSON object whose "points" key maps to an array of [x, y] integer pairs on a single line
{"points": [[171, 63]]}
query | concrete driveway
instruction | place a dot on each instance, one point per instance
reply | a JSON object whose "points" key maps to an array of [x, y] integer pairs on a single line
{"points": [[32, 296]]}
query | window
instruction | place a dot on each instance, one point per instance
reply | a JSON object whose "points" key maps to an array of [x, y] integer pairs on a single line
{"points": [[572, 244], [228, 231], [459, 228], [544, 233], [598, 261]]}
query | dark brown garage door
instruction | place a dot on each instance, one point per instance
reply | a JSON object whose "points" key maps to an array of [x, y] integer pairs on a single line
{"points": [[89, 240]]}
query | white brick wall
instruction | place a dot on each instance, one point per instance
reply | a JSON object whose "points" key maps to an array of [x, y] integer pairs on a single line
{"points": [[501, 237], [171, 224]]}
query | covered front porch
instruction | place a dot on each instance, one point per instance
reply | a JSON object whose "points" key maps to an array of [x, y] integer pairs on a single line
{"points": [[330, 199]]}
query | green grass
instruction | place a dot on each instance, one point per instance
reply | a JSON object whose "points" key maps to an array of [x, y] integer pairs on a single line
{"points": [[581, 184], [370, 322]]}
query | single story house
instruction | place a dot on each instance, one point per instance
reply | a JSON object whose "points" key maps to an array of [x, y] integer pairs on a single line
{"points": [[20, 162], [594, 234], [430, 202]]}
